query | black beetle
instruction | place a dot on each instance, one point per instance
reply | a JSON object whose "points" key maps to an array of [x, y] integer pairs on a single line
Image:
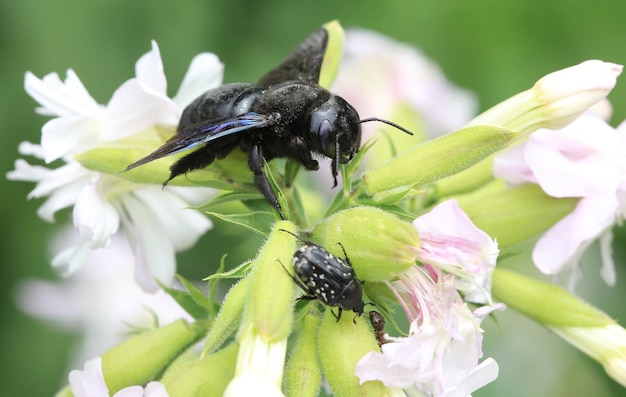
{"points": [[327, 277]]}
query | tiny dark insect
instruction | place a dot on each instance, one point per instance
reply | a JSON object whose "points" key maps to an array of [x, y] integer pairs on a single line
{"points": [[286, 115], [378, 323], [323, 276]]}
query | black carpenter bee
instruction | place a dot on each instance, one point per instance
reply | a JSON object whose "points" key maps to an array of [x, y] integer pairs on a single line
{"points": [[286, 115], [323, 276]]}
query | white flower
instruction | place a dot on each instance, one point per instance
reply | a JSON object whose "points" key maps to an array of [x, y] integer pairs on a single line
{"points": [[153, 220], [586, 159], [440, 355], [450, 241], [100, 301], [90, 383], [260, 365]]}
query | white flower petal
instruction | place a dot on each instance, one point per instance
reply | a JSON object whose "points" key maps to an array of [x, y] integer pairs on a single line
{"points": [[485, 373], [67, 135], [133, 108], [58, 98], [205, 72], [155, 255], [49, 301], [606, 251], [94, 217], [156, 389], [30, 149], [149, 70], [71, 258], [62, 185], [181, 225], [130, 391], [89, 382]]}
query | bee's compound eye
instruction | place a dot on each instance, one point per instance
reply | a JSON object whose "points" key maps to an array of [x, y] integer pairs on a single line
{"points": [[327, 137]]}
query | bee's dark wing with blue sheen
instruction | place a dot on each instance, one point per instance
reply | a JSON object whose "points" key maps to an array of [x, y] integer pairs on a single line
{"points": [[303, 63], [205, 132]]}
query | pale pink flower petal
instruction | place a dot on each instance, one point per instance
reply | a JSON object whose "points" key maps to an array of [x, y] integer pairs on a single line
{"points": [[593, 79], [513, 167], [440, 357], [450, 240], [397, 75], [574, 162], [586, 159], [555, 100], [558, 245]]}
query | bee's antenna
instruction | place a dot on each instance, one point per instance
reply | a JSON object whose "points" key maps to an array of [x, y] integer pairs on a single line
{"points": [[391, 123]]}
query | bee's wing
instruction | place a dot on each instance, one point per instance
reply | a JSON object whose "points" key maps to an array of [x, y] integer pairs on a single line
{"points": [[201, 133], [316, 59]]}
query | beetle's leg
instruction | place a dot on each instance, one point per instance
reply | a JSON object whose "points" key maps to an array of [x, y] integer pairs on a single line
{"points": [[295, 280], [255, 162], [344, 254], [338, 315]]}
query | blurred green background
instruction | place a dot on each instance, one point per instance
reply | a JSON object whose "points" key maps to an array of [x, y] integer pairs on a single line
{"points": [[495, 48]]}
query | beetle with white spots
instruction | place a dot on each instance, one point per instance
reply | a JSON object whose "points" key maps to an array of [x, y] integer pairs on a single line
{"points": [[327, 277]]}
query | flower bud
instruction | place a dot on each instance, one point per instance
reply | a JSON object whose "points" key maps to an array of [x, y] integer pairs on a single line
{"points": [[302, 376], [438, 158], [341, 345], [556, 99], [270, 303], [580, 324], [377, 243], [137, 361], [189, 376], [228, 317]]}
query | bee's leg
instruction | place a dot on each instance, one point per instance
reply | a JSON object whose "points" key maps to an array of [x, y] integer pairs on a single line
{"points": [[197, 160], [255, 162]]}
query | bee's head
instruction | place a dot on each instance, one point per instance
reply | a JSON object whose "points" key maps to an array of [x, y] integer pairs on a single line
{"points": [[336, 124]]}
